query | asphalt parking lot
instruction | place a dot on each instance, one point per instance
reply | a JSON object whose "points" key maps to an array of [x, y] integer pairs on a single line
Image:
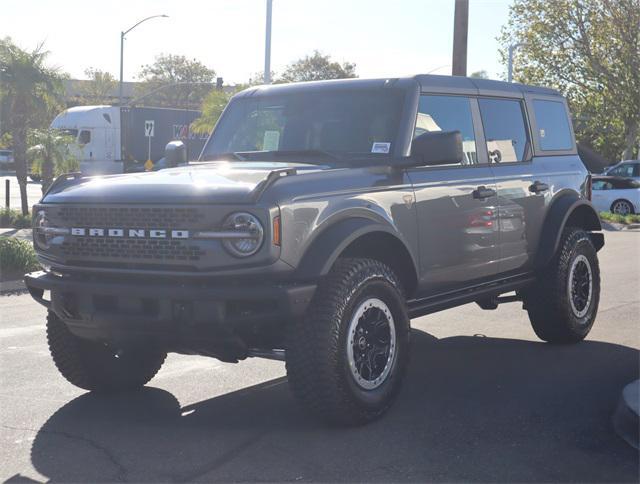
{"points": [[34, 191], [484, 401]]}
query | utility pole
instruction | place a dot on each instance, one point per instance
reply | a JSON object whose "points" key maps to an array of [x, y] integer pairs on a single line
{"points": [[512, 49], [267, 45], [460, 34]]}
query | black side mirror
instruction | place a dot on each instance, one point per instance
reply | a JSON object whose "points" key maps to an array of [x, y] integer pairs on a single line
{"points": [[437, 148], [175, 154]]}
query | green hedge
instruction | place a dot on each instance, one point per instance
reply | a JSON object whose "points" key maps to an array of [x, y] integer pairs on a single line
{"points": [[620, 219], [10, 218], [16, 258]]}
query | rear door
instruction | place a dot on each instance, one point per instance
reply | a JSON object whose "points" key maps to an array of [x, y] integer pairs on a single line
{"points": [[456, 203], [521, 183]]}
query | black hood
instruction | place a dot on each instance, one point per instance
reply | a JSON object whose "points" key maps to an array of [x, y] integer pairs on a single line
{"points": [[206, 183]]}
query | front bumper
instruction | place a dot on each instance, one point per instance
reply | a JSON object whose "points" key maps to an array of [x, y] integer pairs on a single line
{"points": [[217, 320]]}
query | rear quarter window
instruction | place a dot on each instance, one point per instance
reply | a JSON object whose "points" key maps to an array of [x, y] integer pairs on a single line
{"points": [[553, 130]]}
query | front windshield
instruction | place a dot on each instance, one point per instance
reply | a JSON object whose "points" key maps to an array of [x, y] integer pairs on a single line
{"points": [[340, 122]]}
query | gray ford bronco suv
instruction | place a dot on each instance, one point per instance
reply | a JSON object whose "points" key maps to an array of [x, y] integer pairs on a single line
{"points": [[319, 219]]}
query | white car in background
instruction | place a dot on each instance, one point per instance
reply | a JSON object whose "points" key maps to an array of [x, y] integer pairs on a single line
{"points": [[627, 169], [615, 194]]}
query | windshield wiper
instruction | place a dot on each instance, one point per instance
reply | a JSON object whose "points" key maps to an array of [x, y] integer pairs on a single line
{"points": [[308, 155], [223, 156]]}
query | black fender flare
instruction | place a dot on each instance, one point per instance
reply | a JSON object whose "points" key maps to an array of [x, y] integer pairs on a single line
{"points": [[565, 208], [323, 251]]}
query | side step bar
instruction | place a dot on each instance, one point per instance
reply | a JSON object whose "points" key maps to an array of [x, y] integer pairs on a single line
{"points": [[278, 355], [433, 304]]}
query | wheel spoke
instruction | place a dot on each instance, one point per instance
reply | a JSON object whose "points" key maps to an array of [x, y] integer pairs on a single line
{"points": [[372, 337]]}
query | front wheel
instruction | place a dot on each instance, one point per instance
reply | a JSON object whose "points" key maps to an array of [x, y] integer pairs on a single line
{"points": [[347, 358], [563, 303], [96, 366]]}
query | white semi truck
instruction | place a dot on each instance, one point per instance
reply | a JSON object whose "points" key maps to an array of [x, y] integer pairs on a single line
{"points": [[113, 139]]}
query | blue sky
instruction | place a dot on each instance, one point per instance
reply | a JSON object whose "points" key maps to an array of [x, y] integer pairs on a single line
{"points": [[383, 37]]}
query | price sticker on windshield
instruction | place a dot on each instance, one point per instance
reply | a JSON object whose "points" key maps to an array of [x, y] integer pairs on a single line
{"points": [[380, 147], [271, 140]]}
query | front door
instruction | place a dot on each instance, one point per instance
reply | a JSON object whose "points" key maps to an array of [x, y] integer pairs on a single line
{"points": [[456, 204]]}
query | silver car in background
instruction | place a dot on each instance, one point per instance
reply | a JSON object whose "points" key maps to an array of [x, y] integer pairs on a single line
{"points": [[626, 169]]}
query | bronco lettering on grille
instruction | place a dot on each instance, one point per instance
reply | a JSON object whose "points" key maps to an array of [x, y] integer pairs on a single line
{"points": [[130, 233]]}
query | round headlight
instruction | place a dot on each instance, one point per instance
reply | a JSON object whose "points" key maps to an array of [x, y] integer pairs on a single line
{"points": [[39, 223], [249, 231]]}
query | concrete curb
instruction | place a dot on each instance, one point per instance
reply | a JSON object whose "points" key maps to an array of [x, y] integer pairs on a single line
{"points": [[625, 418], [616, 227], [24, 234]]}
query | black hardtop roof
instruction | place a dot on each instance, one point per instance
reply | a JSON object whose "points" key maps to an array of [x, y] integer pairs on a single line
{"points": [[428, 83]]}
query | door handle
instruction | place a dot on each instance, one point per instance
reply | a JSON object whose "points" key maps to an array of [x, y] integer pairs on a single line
{"points": [[538, 187], [483, 192]]}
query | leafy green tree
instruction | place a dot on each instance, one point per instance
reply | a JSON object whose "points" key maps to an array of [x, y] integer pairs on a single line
{"points": [[31, 88], [480, 74], [161, 77], [317, 67], [212, 108], [101, 86], [590, 51], [50, 154]]}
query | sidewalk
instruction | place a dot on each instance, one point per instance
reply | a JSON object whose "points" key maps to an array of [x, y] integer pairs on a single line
{"points": [[24, 234]]}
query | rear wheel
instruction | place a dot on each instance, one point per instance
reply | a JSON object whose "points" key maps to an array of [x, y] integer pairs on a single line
{"points": [[347, 358], [622, 207], [563, 303], [97, 366]]}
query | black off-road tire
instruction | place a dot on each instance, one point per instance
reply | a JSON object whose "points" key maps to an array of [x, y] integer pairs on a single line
{"points": [[95, 366], [317, 353], [553, 316]]}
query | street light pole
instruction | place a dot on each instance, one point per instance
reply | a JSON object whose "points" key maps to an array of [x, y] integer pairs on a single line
{"points": [[512, 49], [122, 34], [267, 45]]}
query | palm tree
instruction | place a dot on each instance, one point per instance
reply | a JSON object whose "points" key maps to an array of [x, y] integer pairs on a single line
{"points": [[51, 154], [31, 89]]}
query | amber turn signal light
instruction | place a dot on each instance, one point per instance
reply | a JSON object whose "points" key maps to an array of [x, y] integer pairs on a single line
{"points": [[276, 231]]}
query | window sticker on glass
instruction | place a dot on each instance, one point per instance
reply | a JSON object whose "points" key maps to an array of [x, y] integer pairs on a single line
{"points": [[271, 140], [380, 147]]}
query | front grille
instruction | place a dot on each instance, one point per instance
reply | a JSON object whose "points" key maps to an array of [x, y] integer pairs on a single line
{"points": [[134, 217], [133, 249]]}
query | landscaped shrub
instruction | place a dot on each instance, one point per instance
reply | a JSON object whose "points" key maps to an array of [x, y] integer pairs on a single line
{"points": [[10, 218], [620, 219], [16, 258]]}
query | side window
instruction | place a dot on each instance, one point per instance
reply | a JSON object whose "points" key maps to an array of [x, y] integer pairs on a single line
{"points": [[636, 169], [504, 130], [554, 132], [84, 137], [448, 113], [598, 185], [627, 170]]}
